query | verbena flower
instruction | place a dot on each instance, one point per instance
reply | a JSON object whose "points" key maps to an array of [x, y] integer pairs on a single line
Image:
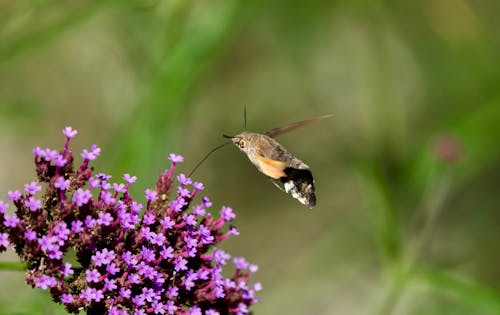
{"points": [[159, 257]]}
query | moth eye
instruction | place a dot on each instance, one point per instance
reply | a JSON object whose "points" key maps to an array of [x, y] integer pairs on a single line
{"points": [[241, 144]]}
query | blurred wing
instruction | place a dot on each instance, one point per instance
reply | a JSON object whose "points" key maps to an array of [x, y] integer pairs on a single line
{"points": [[277, 131]]}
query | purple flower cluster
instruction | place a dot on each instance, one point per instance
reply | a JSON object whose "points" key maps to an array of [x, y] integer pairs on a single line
{"points": [[96, 249]]}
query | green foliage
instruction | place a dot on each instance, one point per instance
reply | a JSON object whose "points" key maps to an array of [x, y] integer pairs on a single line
{"points": [[406, 171]]}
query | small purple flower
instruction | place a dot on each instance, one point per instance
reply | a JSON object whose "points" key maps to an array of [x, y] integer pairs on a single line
{"points": [[103, 257], [221, 256], [206, 202], [125, 293], [198, 186], [44, 282], [183, 192], [151, 195], [92, 275], [129, 258], [104, 219], [116, 311], [195, 310], [227, 213], [136, 207], [110, 285], [146, 232], [180, 264], [253, 268], [257, 286], [206, 235], [177, 204], [92, 154], [67, 298], [67, 270], [148, 219], [4, 239], [30, 235], [103, 177], [234, 231], [181, 178], [107, 197], [98, 295], [167, 253], [167, 223], [11, 221], [60, 161], [189, 219], [77, 226], [69, 132], [242, 309], [190, 279], [158, 308], [14, 195], [240, 263], [112, 269], [129, 179], [3, 207], [147, 254], [199, 210], [134, 278], [38, 152], [94, 182], [203, 274], [176, 158], [51, 155], [48, 243], [62, 183], [173, 292], [81, 197], [32, 188], [90, 222], [157, 239], [33, 204], [88, 294], [171, 308], [120, 188]]}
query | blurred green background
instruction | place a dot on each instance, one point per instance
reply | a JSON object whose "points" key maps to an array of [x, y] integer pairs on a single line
{"points": [[407, 171]]}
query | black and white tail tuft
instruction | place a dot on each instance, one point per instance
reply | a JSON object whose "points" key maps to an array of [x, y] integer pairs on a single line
{"points": [[300, 183]]}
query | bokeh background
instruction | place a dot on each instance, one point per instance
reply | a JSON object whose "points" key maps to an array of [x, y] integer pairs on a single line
{"points": [[407, 171]]}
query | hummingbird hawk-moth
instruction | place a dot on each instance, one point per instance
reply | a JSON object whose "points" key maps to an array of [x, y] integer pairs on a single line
{"points": [[273, 160]]}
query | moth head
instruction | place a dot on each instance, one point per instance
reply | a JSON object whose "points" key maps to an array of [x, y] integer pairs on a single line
{"points": [[244, 141]]}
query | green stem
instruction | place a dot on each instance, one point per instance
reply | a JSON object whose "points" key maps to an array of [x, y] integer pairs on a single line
{"points": [[431, 203], [13, 266], [392, 297]]}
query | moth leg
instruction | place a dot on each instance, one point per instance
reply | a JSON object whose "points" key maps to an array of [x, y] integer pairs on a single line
{"points": [[276, 184]]}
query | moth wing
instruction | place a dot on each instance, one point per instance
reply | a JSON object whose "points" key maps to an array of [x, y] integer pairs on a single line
{"points": [[279, 164], [272, 168], [289, 127]]}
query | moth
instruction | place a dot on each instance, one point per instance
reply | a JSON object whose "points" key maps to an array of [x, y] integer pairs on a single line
{"points": [[277, 163]]}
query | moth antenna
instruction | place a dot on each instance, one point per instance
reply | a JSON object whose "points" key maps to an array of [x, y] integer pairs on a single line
{"points": [[208, 154], [245, 117]]}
